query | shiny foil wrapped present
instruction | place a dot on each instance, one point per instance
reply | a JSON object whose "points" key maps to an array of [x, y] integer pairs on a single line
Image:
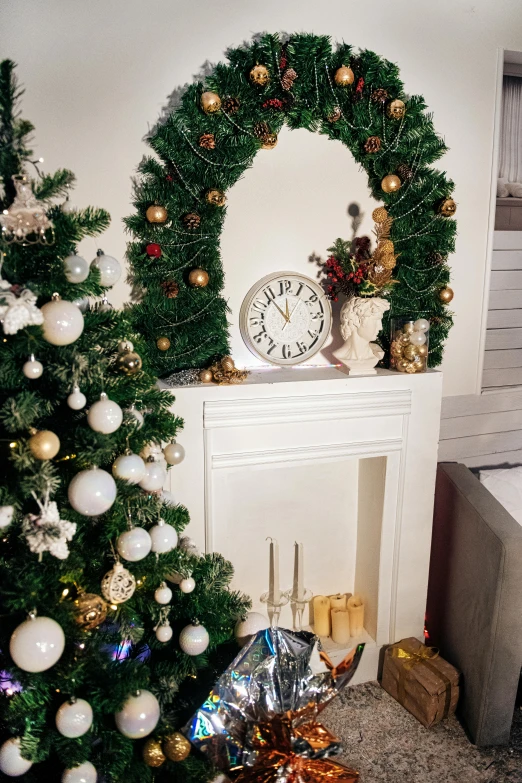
{"points": [[259, 723]]}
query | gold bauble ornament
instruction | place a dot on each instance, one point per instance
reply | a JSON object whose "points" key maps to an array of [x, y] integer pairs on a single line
{"points": [[402, 364], [153, 755], [156, 214], [344, 76], [396, 349], [410, 352], [379, 215], [448, 207], [422, 350], [210, 102], [396, 109], [198, 278], [206, 376], [216, 197], [411, 367], [269, 141], [388, 261], [163, 343], [386, 246], [408, 327], [227, 363], [176, 747], [44, 444], [259, 75], [446, 294], [129, 363], [90, 610], [390, 183]]}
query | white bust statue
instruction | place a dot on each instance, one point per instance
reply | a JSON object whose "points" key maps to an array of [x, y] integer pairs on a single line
{"points": [[361, 322]]}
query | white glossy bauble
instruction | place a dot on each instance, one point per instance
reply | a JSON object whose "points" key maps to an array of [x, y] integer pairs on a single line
{"points": [[76, 269], [421, 325], [110, 269], [151, 449], [6, 516], [194, 639], [245, 629], [134, 544], [168, 498], [76, 399], [164, 633], [154, 478], [187, 585], [139, 715], [136, 415], [417, 338], [92, 492], [74, 719], [11, 762], [68, 207], [164, 537], [129, 467], [163, 594], [85, 773], [32, 368], [188, 545], [37, 644], [174, 453], [83, 303], [63, 322], [105, 416]]}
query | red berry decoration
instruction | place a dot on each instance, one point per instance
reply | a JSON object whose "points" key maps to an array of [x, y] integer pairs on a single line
{"points": [[153, 250]]}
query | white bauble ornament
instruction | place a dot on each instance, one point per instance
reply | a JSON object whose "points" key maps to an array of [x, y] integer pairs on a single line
{"points": [[63, 321], [187, 545], [417, 338], [105, 416], [68, 207], [168, 498], [187, 585], [154, 478], [32, 368], [85, 773], [76, 269], [163, 594], [92, 492], [76, 399], [104, 306], [11, 762], [6, 516], [421, 325], [164, 633], [129, 467], [118, 585], [83, 303], [194, 639], [139, 715], [37, 644], [74, 718], [153, 450], [134, 544], [174, 453], [136, 415], [110, 269], [245, 629], [164, 537]]}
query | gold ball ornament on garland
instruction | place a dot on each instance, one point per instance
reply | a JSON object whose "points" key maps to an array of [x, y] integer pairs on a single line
{"points": [[90, 610], [153, 755], [448, 207], [216, 197], [206, 376], [379, 215], [390, 183], [210, 102], [156, 214], [259, 75], [396, 109], [386, 246], [44, 444], [446, 294], [176, 747], [163, 343], [198, 278], [344, 76], [128, 362]]}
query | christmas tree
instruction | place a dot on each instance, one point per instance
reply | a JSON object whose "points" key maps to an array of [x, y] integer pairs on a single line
{"points": [[113, 629]]}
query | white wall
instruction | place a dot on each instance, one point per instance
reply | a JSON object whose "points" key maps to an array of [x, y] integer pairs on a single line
{"points": [[97, 74]]}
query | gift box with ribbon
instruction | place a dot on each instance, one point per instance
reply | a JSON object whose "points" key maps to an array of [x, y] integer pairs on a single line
{"points": [[419, 679], [259, 724]]}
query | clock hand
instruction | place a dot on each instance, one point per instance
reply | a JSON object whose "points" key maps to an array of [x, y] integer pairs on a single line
{"points": [[283, 314], [291, 314], [286, 310]]}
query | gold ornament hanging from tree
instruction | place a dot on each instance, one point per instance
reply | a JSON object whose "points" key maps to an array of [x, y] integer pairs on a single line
{"points": [[344, 76], [210, 102], [446, 294], [163, 343], [153, 755], [259, 75], [396, 109], [379, 215], [269, 142], [216, 197], [448, 207], [129, 362], [90, 610], [156, 214], [198, 278], [176, 747], [390, 183], [44, 444]]}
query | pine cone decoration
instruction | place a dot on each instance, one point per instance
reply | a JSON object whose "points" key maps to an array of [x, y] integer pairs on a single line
{"points": [[435, 259], [373, 144], [379, 96], [261, 130], [207, 141], [404, 172], [191, 220], [170, 288], [335, 114], [230, 105], [288, 79]]}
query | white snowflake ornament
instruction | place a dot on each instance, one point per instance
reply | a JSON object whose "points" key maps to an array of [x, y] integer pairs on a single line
{"points": [[46, 532], [18, 308]]}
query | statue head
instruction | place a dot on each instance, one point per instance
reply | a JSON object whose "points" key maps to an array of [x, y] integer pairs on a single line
{"points": [[363, 316]]}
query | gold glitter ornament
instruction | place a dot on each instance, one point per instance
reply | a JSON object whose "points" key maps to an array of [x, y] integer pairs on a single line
{"points": [[390, 183], [422, 350], [90, 610], [409, 352], [153, 755], [388, 260], [176, 747], [379, 215], [344, 76], [386, 246], [259, 75], [216, 197], [156, 214], [396, 109], [210, 102], [448, 207], [163, 343]]}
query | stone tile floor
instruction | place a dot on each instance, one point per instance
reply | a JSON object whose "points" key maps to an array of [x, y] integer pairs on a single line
{"points": [[388, 745]]}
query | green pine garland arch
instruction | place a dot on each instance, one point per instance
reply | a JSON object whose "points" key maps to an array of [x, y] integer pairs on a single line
{"points": [[181, 173]]}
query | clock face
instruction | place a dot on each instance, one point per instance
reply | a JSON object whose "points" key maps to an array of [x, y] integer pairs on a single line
{"points": [[285, 318]]}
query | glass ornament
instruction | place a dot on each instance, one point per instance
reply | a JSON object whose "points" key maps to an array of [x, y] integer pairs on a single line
{"points": [[109, 267], [118, 584], [139, 715], [25, 221], [154, 478], [76, 400], [63, 321], [12, 763], [32, 368], [187, 585], [105, 416], [163, 594], [164, 537], [76, 269], [84, 773], [37, 644], [164, 632], [134, 544], [194, 639], [92, 492], [129, 467], [74, 718], [174, 453]]}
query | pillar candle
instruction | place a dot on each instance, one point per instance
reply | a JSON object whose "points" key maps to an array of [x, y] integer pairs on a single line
{"points": [[356, 612], [321, 615], [340, 626], [338, 601]]}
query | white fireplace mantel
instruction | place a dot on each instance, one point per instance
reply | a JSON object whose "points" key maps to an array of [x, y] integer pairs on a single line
{"points": [[345, 465]]}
